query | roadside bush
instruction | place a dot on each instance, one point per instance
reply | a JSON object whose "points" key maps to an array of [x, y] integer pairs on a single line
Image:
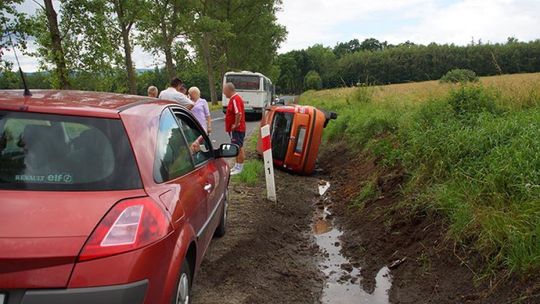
{"points": [[313, 81], [363, 94], [459, 76], [472, 100]]}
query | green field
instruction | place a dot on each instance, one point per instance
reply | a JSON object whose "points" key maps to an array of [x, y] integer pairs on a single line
{"points": [[472, 153]]}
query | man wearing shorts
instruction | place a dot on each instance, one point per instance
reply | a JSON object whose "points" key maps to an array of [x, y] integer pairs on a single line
{"points": [[235, 123]]}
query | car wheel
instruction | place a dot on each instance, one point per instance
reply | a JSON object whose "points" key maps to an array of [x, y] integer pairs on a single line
{"points": [[222, 228], [183, 290]]}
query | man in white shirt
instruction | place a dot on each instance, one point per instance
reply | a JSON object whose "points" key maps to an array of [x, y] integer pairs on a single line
{"points": [[173, 93]]}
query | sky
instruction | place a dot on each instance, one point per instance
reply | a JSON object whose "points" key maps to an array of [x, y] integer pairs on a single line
{"points": [[328, 22]]}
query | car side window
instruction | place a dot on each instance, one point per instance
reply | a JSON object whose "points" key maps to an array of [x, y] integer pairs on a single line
{"points": [[173, 155], [200, 147]]}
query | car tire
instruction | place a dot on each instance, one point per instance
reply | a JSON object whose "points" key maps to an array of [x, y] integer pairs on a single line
{"points": [[222, 227], [182, 293]]}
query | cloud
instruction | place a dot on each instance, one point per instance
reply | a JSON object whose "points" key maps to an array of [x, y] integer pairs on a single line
{"points": [[421, 21]]}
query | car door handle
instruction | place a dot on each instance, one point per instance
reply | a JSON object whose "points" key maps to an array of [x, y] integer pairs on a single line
{"points": [[208, 187]]}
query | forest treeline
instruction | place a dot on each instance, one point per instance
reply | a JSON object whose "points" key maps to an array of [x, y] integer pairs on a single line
{"points": [[374, 62]]}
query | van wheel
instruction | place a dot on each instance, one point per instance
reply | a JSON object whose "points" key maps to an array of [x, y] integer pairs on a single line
{"points": [[222, 228], [183, 290]]}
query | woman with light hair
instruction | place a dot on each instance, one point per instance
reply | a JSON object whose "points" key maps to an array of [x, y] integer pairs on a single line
{"points": [[200, 109], [152, 91]]}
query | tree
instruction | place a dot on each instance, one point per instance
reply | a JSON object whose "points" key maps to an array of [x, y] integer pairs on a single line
{"points": [[207, 35], [372, 44], [161, 26], [127, 13], [313, 81], [323, 60], [344, 48], [236, 35], [13, 30], [56, 45], [98, 39]]}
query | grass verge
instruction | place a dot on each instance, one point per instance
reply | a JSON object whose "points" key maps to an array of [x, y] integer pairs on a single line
{"points": [[472, 153], [253, 168]]}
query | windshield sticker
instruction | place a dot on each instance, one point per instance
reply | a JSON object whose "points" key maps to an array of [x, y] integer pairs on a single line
{"points": [[60, 178]]}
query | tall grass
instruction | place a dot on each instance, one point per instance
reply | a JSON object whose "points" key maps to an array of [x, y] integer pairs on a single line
{"points": [[473, 153]]}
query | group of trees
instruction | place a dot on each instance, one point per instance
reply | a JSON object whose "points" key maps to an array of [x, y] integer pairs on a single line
{"points": [[375, 62], [89, 44]]}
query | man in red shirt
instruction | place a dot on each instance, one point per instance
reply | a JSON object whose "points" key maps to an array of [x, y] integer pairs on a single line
{"points": [[235, 123]]}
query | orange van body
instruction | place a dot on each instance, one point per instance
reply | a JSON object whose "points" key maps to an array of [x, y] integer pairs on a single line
{"points": [[296, 133]]}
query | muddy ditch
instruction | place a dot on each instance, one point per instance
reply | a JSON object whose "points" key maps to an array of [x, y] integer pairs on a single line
{"points": [[343, 277], [427, 267]]}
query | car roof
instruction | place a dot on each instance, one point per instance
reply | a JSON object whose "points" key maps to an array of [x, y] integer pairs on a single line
{"points": [[81, 103]]}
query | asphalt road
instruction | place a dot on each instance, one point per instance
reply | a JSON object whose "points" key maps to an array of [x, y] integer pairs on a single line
{"points": [[219, 136]]}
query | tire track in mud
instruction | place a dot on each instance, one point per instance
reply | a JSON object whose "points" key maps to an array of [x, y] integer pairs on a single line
{"points": [[268, 254]]}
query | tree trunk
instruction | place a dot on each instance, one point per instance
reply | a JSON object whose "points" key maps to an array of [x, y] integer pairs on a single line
{"points": [[125, 29], [209, 67], [169, 64], [56, 45], [132, 77]]}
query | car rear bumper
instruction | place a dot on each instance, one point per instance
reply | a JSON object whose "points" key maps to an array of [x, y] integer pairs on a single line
{"points": [[133, 293]]}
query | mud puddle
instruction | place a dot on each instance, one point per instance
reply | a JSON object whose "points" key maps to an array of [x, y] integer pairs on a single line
{"points": [[343, 279]]}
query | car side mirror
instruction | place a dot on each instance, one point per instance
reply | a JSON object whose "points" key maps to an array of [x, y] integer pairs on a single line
{"points": [[227, 150]]}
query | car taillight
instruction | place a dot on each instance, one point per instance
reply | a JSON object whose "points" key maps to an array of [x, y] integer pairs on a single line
{"points": [[129, 225]]}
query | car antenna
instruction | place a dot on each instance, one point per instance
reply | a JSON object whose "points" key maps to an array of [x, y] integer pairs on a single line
{"points": [[26, 90]]}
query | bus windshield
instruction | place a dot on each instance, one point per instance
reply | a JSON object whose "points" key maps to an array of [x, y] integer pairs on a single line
{"points": [[245, 82]]}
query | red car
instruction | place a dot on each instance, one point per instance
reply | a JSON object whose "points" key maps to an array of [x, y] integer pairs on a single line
{"points": [[105, 198]]}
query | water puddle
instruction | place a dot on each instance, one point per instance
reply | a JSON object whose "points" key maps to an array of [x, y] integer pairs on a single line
{"points": [[343, 279]]}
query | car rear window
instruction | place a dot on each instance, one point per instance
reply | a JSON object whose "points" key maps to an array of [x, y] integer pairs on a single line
{"points": [[57, 152]]}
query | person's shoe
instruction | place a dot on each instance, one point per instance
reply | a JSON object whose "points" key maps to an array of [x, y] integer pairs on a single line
{"points": [[237, 169]]}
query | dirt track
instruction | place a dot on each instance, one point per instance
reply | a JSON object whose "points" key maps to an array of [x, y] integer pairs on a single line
{"points": [[268, 255]]}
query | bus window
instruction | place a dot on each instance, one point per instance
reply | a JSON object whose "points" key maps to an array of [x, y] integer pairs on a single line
{"points": [[245, 82]]}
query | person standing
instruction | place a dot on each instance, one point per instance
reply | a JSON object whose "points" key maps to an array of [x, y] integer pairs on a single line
{"points": [[235, 124], [200, 109], [152, 91], [173, 93]]}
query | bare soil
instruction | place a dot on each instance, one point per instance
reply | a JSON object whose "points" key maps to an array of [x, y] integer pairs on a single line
{"points": [[427, 266], [268, 254]]}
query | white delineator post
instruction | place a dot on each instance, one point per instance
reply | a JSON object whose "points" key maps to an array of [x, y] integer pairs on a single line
{"points": [[268, 163]]}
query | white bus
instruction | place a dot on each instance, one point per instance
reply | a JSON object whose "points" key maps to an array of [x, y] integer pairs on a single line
{"points": [[256, 90]]}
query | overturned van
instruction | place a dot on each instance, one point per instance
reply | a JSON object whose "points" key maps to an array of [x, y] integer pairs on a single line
{"points": [[296, 133]]}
